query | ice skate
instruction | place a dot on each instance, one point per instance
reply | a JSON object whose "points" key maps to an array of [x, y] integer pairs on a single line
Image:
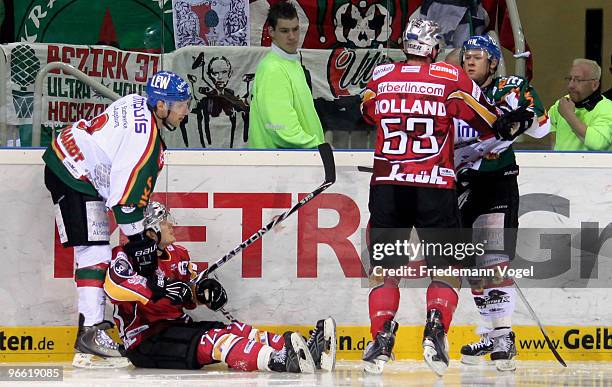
{"points": [[322, 344], [504, 351], [294, 357], [95, 349], [473, 353], [380, 350], [435, 343]]}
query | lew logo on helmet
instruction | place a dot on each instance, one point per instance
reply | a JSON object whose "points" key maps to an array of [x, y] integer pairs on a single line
{"points": [[160, 81]]}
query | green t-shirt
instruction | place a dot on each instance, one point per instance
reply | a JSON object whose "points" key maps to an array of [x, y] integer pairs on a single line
{"points": [[599, 128], [282, 112]]}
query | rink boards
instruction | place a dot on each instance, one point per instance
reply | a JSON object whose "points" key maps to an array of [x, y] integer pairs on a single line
{"points": [[309, 267], [577, 343]]}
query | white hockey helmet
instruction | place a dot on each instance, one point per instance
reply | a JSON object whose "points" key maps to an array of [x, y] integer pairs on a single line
{"points": [[421, 36], [154, 214]]}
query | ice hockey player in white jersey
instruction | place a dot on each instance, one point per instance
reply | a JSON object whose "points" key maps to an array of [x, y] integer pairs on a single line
{"points": [[489, 198], [110, 162]]}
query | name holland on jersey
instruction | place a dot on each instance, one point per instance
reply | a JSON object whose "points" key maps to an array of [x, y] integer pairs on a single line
{"points": [[430, 108]]}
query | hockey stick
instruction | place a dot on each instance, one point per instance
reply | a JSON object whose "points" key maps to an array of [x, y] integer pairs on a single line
{"points": [[225, 313], [327, 156], [228, 315], [537, 320], [362, 168]]}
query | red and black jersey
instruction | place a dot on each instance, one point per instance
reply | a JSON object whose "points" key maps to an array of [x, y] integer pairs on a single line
{"points": [[138, 314], [413, 107]]}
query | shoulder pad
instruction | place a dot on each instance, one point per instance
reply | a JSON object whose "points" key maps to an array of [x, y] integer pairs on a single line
{"points": [[444, 70], [121, 265], [179, 247]]}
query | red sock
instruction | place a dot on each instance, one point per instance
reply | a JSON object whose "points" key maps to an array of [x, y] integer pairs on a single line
{"points": [[442, 297], [383, 302]]}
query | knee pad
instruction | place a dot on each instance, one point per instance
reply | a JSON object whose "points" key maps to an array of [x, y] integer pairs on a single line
{"points": [[493, 261], [477, 284], [451, 282], [499, 232], [489, 229], [92, 255], [224, 345], [375, 281]]}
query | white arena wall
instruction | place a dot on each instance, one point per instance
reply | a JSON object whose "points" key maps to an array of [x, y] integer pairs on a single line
{"points": [[309, 266]]}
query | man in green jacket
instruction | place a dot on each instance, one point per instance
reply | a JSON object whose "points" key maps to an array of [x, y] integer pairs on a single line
{"points": [[282, 112], [582, 120]]}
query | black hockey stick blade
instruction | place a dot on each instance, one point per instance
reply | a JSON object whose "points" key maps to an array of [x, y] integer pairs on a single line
{"points": [[553, 349], [327, 157], [362, 168], [537, 320]]}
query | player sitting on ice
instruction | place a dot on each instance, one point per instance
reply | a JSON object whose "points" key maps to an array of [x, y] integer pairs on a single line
{"points": [[150, 297]]}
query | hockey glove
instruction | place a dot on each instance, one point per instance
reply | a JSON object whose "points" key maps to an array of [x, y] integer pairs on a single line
{"points": [[210, 293], [513, 123], [178, 292], [143, 250]]}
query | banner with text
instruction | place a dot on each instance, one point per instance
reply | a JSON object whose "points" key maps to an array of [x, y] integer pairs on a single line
{"points": [[219, 199], [221, 79]]}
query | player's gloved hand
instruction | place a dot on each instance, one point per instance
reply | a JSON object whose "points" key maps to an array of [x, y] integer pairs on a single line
{"points": [[143, 250], [513, 122], [178, 292], [465, 176], [210, 293]]}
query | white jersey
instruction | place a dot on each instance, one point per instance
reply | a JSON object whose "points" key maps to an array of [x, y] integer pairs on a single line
{"points": [[509, 91], [470, 151], [119, 152]]}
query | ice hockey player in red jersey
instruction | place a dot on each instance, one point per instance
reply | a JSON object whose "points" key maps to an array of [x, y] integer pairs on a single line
{"points": [[413, 104], [151, 298]]}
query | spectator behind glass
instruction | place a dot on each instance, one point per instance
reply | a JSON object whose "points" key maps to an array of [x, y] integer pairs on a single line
{"points": [[608, 94], [458, 19], [582, 120], [282, 112]]}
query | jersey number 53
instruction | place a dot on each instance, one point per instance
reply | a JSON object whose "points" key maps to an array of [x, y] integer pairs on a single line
{"points": [[413, 138]]}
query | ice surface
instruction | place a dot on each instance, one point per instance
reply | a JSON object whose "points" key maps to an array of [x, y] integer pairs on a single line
{"points": [[349, 373]]}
